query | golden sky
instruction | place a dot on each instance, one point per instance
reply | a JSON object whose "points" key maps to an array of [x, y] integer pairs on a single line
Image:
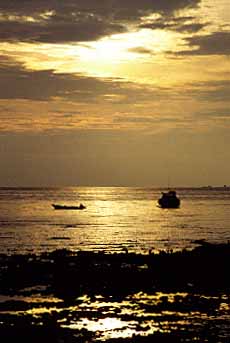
{"points": [[114, 92]]}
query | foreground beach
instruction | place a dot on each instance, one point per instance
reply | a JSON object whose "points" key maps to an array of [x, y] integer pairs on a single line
{"points": [[67, 296]]}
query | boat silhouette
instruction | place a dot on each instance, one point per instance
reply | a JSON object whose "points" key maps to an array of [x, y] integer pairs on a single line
{"points": [[68, 207], [169, 200]]}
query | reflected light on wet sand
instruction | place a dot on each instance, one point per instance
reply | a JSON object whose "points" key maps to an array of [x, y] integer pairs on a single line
{"points": [[138, 314], [107, 327]]}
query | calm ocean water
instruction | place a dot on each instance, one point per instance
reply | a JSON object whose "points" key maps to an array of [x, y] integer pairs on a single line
{"points": [[116, 218]]}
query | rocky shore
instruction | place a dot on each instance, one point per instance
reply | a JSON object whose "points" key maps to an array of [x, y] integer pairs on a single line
{"points": [[198, 281]]}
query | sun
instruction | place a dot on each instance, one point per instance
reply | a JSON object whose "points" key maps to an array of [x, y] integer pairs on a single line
{"points": [[126, 46], [109, 50], [109, 56]]}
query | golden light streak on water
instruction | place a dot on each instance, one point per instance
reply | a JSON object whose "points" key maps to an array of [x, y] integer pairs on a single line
{"points": [[138, 314]]}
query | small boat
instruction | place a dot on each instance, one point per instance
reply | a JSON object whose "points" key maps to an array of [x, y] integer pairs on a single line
{"points": [[68, 207], [169, 200]]}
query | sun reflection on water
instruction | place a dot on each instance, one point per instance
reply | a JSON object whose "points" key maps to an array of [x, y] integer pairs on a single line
{"points": [[138, 314], [108, 327]]}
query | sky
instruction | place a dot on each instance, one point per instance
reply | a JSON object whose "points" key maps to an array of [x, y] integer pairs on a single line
{"points": [[114, 92]]}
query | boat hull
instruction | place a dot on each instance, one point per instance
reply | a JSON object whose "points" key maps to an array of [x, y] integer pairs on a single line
{"points": [[169, 200], [169, 204], [65, 207]]}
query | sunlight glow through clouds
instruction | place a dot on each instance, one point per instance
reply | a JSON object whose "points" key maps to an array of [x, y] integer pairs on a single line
{"points": [[117, 58], [141, 56], [110, 56], [116, 76]]}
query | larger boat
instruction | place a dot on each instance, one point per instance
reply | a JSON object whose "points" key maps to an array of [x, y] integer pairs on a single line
{"points": [[169, 200]]}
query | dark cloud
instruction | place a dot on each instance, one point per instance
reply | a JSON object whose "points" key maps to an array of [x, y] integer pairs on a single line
{"points": [[179, 24], [18, 83], [209, 91], [135, 9], [149, 120], [218, 113], [58, 31], [140, 50], [192, 28], [134, 119], [217, 43], [216, 91], [102, 6], [154, 118], [73, 21]]}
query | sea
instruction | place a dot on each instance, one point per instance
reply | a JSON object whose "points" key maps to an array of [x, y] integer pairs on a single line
{"points": [[116, 219], [66, 306]]}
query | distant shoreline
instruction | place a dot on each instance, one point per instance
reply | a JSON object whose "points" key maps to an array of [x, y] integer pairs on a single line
{"points": [[225, 187]]}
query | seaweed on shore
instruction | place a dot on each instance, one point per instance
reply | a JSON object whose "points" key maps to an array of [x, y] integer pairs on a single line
{"points": [[169, 297], [67, 274]]}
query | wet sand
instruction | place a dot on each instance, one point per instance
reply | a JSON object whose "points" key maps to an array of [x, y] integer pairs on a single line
{"points": [[67, 296]]}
